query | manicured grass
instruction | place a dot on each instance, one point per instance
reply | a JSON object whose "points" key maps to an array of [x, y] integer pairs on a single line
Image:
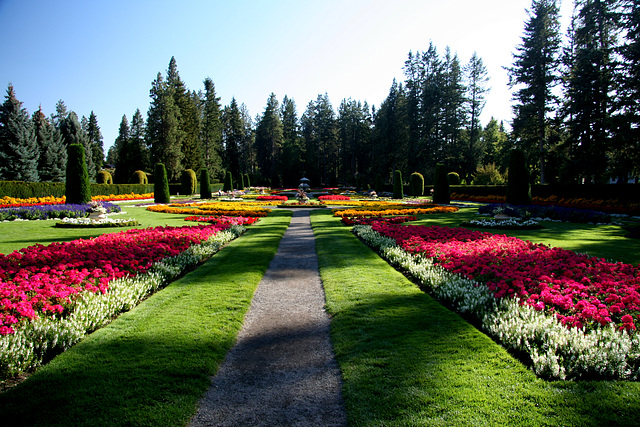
{"points": [[407, 360], [152, 364]]}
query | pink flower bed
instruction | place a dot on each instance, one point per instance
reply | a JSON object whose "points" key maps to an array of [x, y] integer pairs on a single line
{"points": [[272, 198], [578, 289], [228, 220], [43, 280], [333, 197]]}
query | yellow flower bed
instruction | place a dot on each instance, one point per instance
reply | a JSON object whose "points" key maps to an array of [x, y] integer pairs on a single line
{"points": [[358, 202], [382, 212], [49, 200], [216, 211]]}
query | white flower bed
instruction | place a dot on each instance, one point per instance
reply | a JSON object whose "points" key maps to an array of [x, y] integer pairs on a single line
{"points": [[556, 352], [32, 341]]}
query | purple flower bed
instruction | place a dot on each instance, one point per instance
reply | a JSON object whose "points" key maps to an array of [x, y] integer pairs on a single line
{"points": [[52, 211]]}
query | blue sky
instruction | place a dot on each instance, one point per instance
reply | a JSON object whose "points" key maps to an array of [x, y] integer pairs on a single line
{"points": [[103, 55]]}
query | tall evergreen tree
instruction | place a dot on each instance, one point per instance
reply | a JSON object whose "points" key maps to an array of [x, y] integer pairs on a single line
{"points": [[454, 116], [73, 133], [18, 144], [95, 141], [269, 140], [124, 167], [293, 165], [390, 147], [232, 137], [52, 162], [138, 148], [354, 130], [535, 73], [477, 78], [60, 114], [248, 156], [211, 130], [589, 89], [164, 135]]}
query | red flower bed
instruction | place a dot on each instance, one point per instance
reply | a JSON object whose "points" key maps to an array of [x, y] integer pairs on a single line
{"points": [[272, 198], [578, 289], [227, 220], [43, 280], [333, 197], [371, 219]]}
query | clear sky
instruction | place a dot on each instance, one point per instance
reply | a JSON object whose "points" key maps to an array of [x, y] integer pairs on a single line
{"points": [[102, 55]]}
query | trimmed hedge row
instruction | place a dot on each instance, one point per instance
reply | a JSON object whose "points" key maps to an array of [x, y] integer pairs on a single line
{"points": [[24, 190]]}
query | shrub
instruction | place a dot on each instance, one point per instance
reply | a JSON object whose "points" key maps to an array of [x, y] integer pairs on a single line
{"points": [[161, 185], [397, 185], [205, 184], [441, 186], [228, 182], [188, 182], [453, 178], [247, 181], [417, 184], [518, 186], [139, 177], [379, 186], [488, 175], [104, 177], [78, 189]]}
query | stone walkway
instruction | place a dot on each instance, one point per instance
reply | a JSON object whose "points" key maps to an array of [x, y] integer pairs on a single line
{"points": [[282, 370]]}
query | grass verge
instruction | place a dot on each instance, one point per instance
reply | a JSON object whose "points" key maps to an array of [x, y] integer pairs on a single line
{"points": [[407, 360], [151, 365]]}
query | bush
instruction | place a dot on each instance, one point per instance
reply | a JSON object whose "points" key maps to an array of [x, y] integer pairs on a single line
{"points": [[488, 175], [228, 183], [441, 186], [161, 185], [417, 184], [188, 182], [104, 177], [205, 184], [78, 189], [241, 182], [397, 185], [453, 178], [518, 185], [247, 181], [139, 177], [379, 185]]}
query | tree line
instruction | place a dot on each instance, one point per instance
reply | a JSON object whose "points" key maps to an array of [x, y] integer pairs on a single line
{"points": [[576, 116]]}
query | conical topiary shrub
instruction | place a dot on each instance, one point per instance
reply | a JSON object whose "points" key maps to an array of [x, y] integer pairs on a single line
{"points": [[247, 181], [188, 182], [228, 183], [161, 185], [379, 185], [518, 185], [205, 184], [441, 186], [417, 184], [397, 185], [78, 188]]}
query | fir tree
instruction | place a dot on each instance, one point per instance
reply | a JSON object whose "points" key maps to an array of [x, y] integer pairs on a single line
{"points": [[18, 144], [269, 140], [52, 162], [477, 78], [72, 133], [96, 143], [138, 148], [124, 166], [211, 130], [292, 152], [232, 137], [536, 72]]}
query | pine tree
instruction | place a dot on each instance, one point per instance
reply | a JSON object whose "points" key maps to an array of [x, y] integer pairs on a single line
{"points": [[232, 137], [477, 78], [60, 114], [292, 152], [211, 130], [269, 140], [164, 135], [122, 144], [72, 133], [589, 87], [18, 144], [354, 131], [94, 137], [138, 148], [536, 72], [52, 162], [390, 150]]}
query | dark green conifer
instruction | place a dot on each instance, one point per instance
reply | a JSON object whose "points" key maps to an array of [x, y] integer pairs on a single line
{"points": [[518, 185], [77, 189], [441, 186], [205, 184], [397, 185], [161, 185]]}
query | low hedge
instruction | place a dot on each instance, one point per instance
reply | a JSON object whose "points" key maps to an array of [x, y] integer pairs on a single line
{"points": [[24, 190]]}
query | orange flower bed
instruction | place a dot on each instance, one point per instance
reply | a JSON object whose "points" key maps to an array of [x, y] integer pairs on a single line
{"points": [[351, 213], [207, 211]]}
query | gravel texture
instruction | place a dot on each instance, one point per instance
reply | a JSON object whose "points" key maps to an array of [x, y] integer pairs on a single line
{"points": [[282, 370]]}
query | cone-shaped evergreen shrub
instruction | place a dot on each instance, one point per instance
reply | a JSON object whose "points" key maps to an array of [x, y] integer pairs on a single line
{"points": [[228, 182], [241, 182], [104, 177], [518, 185], [417, 184], [161, 185], [205, 184], [247, 182], [379, 186], [397, 185], [188, 182], [139, 177], [78, 188], [441, 186]]}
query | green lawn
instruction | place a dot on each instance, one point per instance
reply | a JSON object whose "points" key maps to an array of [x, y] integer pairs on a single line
{"points": [[405, 359]]}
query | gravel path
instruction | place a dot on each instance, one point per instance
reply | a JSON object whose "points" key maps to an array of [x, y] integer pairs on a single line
{"points": [[282, 370]]}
